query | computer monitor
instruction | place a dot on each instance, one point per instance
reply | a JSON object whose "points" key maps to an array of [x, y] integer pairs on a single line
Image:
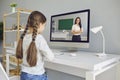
{"points": [[62, 30]]}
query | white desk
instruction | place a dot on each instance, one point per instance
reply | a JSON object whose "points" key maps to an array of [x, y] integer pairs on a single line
{"points": [[85, 64]]}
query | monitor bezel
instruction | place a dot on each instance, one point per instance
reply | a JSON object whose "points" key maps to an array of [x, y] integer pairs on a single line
{"points": [[68, 13]]}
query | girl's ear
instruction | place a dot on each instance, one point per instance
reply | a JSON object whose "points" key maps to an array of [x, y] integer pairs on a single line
{"points": [[39, 25]]}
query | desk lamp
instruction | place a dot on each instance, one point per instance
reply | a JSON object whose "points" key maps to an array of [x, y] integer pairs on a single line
{"points": [[96, 30]]}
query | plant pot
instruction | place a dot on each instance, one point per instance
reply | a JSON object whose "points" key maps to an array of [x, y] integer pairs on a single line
{"points": [[13, 9]]}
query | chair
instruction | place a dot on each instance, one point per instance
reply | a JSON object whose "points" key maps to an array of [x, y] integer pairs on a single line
{"points": [[4, 76]]}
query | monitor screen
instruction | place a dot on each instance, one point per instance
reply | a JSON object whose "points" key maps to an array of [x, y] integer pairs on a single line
{"points": [[71, 27]]}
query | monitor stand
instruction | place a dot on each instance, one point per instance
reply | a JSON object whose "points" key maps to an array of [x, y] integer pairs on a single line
{"points": [[69, 50]]}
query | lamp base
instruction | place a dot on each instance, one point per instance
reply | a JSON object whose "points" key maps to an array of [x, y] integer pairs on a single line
{"points": [[101, 54]]}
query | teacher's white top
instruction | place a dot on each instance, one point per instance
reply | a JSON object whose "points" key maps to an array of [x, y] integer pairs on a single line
{"points": [[76, 28]]}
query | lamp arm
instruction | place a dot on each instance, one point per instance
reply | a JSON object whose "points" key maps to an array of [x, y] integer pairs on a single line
{"points": [[103, 41]]}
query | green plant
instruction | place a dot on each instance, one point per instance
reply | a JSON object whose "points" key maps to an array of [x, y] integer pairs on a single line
{"points": [[13, 5]]}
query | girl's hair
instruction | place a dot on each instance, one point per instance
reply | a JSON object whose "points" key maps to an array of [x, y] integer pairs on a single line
{"points": [[34, 19], [79, 22]]}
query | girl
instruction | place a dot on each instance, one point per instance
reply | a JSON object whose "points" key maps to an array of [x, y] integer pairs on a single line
{"points": [[32, 48], [77, 30]]}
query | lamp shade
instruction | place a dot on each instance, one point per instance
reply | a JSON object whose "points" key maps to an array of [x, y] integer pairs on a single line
{"points": [[96, 29]]}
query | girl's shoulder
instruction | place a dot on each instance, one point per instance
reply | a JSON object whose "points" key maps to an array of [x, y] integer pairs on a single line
{"points": [[40, 37]]}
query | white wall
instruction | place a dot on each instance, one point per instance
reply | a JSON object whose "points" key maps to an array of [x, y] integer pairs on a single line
{"points": [[103, 12]]}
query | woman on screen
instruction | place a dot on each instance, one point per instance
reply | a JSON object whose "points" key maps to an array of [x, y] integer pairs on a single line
{"points": [[77, 30]]}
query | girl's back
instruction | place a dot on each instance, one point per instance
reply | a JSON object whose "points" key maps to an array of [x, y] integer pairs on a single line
{"points": [[32, 48]]}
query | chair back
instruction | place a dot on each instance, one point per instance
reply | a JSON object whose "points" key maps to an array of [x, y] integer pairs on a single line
{"points": [[3, 74]]}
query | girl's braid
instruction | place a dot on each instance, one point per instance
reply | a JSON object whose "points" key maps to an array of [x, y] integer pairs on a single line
{"points": [[25, 31], [34, 32]]}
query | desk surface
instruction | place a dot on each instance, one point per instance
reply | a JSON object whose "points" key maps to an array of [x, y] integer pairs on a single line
{"points": [[84, 60], [84, 64]]}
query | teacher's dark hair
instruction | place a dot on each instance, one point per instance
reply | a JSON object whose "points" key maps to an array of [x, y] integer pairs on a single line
{"points": [[79, 22]]}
